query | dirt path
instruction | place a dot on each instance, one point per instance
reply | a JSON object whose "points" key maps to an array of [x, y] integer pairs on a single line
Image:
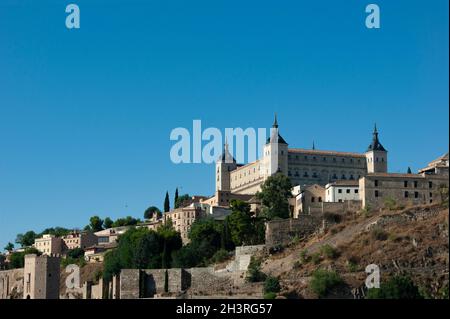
{"points": [[277, 266]]}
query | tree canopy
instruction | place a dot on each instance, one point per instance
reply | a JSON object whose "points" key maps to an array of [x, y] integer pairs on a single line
{"points": [[151, 211], [274, 195], [166, 203]]}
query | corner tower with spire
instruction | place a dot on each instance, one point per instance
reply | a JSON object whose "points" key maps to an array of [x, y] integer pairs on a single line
{"points": [[224, 165], [376, 155], [275, 157]]}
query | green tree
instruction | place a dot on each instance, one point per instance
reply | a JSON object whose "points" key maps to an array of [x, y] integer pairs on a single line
{"points": [[171, 242], [107, 223], [56, 231], [95, 223], [244, 228], [206, 230], [75, 253], [166, 203], [9, 247], [149, 212], [26, 239], [127, 221], [182, 200], [323, 281], [274, 195], [271, 284], [17, 259], [397, 287], [148, 248], [175, 199]]}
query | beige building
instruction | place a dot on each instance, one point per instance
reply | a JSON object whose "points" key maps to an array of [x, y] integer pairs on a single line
{"points": [[437, 167], [404, 189], [41, 277], [110, 235], [80, 240], [341, 191], [49, 244], [303, 198], [303, 166], [224, 198], [183, 218]]}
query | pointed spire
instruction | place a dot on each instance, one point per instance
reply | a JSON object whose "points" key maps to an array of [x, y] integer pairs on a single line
{"points": [[225, 146], [375, 145], [275, 122]]}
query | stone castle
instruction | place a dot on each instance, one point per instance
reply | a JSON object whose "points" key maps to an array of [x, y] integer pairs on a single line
{"points": [[303, 166]]}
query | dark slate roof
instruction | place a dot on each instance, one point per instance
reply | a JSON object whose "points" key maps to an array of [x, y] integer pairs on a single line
{"points": [[375, 145], [280, 140]]}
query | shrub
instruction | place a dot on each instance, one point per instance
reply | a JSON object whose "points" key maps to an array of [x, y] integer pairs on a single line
{"points": [[329, 252], [219, 256], [270, 295], [304, 258], [254, 273], [323, 281], [398, 287], [332, 218], [316, 258], [352, 264], [272, 284], [390, 203], [379, 234]]}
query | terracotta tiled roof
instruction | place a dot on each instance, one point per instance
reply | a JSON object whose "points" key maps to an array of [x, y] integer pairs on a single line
{"points": [[346, 183], [400, 175]]}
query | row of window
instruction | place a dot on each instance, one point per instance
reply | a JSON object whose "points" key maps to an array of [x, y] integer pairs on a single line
{"points": [[406, 184], [324, 159], [316, 175], [347, 191], [406, 194]]}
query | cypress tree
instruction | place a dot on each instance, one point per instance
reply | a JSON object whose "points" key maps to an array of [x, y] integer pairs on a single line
{"points": [[409, 170], [166, 203], [175, 200]]}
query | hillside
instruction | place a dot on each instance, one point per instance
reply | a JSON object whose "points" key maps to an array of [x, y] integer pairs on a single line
{"points": [[412, 242]]}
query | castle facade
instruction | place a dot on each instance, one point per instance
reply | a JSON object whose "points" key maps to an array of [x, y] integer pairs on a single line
{"points": [[303, 166]]}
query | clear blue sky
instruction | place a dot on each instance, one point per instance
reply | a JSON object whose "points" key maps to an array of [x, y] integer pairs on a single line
{"points": [[85, 115]]}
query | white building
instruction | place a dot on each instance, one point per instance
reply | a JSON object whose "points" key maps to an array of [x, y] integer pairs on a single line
{"points": [[340, 191]]}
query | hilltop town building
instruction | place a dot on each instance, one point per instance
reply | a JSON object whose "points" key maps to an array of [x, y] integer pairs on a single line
{"points": [[49, 244], [80, 240]]}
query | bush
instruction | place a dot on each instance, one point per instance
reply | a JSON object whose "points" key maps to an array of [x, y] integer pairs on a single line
{"points": [[352, 264], [316, 258], [379, 234], [304, 258], [270, 295], [272, 284], [332, 218], [75, 253], [390, 203], [323, 281], [254, 273], [398, 287], [329, 252], [366, 211], [219, 256]]}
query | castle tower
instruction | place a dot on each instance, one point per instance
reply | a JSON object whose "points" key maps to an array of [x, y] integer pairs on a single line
{"points": [[224, 165], [275, 153], [376, 155], [41, 277]]}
